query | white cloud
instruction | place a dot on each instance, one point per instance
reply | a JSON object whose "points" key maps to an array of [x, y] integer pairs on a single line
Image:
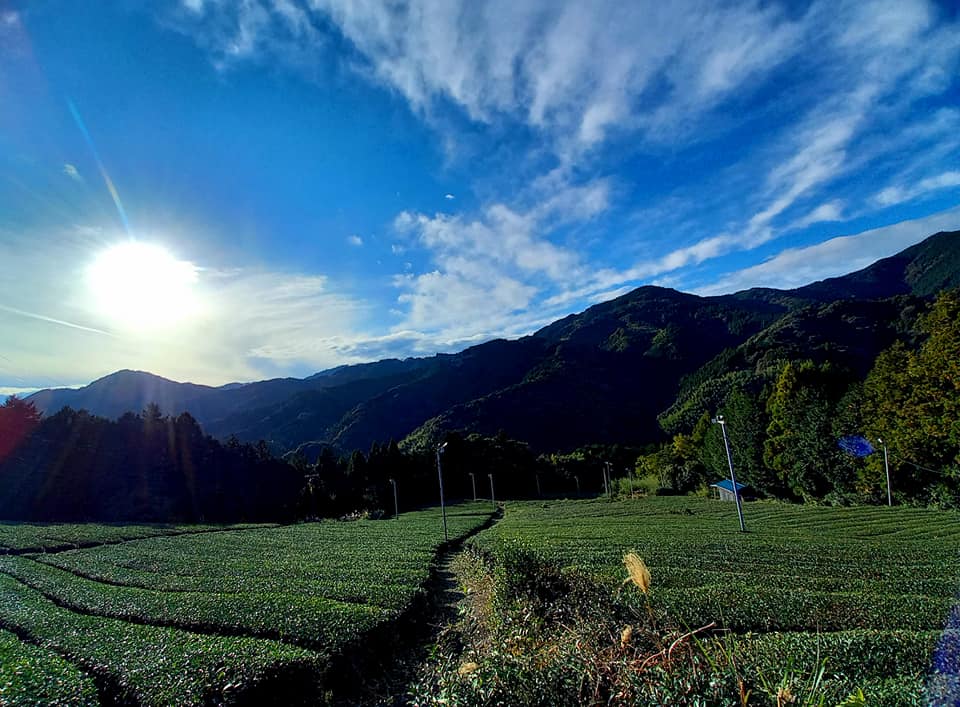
{"points": [[493, 269], [828, 211], [795, 267], [574, 71], [19, 392], [355, 241], [899, 194], [449, 197], [72, 172], [250, 30]]}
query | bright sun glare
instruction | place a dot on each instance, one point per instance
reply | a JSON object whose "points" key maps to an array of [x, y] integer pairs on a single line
{"points": [[142, 286]]}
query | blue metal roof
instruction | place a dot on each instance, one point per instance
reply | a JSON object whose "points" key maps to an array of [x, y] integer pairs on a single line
{"points": [[727, 485]]}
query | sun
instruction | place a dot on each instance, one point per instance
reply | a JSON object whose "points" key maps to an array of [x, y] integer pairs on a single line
{"points": [[142, 286]]}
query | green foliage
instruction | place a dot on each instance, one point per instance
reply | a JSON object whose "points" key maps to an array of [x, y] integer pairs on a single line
{"points": [[911, 399], [252, 615], [301, 618], [55, 537], [154, 665], [36, 677], [800, 445], [680, 466]]}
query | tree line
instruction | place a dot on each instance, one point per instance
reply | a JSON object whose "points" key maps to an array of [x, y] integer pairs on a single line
{"points": [[74, 466], [784, 423]]}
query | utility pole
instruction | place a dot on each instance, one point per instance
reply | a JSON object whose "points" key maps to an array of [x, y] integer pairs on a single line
{"points": [[630, 478], [576, 480], [443, 508], [886, 466], [537, 477], [473, 482], [396, 505], [606, 486], [718, 420], [493, 499]]}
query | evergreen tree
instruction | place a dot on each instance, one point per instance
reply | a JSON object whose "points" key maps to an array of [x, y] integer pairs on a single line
{"points": [[18, 419]]}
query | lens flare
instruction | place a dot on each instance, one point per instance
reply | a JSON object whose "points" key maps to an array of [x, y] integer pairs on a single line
{"points": [[142, 286]]}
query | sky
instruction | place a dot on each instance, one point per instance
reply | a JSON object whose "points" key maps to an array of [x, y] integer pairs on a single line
{"points": [[232, 190]]}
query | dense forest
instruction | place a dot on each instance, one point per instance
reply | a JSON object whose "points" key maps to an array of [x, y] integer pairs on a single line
{"points": [[785, 418]]}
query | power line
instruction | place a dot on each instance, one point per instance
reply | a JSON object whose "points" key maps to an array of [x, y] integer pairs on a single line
{"points": [[924, 468]]}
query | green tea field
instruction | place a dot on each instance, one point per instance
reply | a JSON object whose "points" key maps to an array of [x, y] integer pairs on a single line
{"points": [[852, 598], [248, 615]]}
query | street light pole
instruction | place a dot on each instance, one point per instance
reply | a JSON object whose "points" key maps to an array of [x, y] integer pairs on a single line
{"points": [[396, 505], [886, 466], [473, 482], [630, 479], [493, 499], [718, 420], [606, 484], [443, 508]]}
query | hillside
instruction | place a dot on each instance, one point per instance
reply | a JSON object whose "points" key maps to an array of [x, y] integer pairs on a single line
{"points": [[599, 376]]}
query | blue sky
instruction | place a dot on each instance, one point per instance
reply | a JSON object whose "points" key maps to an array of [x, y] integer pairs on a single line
{"points": [[344, 180]]}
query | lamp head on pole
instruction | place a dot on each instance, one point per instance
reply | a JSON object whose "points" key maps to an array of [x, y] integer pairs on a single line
{"points": [[718, 420]]}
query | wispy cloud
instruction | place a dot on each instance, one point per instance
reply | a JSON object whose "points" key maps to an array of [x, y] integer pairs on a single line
{"points": [[828, 211], [795, 267], [900, 194], [72, 172], [573, 71], [355, 240], [492, 269], [52, 320]]}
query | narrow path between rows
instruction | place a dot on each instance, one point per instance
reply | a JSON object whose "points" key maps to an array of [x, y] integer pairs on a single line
{"points": [[413, 636]]}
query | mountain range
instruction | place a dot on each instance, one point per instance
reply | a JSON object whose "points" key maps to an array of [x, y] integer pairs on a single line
{"points": [[621, 371]]}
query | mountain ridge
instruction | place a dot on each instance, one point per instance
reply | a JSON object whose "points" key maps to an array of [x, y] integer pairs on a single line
{"points": [[601, 375]]}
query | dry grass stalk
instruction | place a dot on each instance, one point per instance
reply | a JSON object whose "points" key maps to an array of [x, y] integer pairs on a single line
{"points": [[639, 574]]}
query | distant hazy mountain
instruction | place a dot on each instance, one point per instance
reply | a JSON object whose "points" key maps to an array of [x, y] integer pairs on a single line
{"points": [[600, 376]]}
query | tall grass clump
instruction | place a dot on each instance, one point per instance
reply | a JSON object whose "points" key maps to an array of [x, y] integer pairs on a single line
{"points": [[534, 632]]}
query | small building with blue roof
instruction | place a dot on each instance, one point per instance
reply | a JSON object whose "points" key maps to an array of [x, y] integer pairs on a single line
{"points": [[725, 489]]}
